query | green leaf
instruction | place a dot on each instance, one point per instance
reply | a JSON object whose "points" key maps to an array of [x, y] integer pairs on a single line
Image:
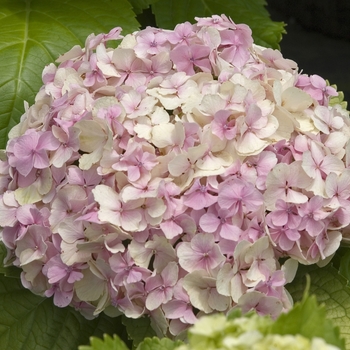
{"points": [[115, 343], [138, 329], [35, 32], [140, 5], [253, 12], [308, 318], [159, 344], [8, 271], [344, 268], [30, 322], [107, 343], [329, 288]]}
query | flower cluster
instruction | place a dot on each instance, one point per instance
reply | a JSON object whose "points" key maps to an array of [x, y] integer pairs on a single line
{"points": [[170, 176]]}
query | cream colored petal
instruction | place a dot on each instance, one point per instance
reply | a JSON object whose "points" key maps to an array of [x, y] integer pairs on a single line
{"points": [[162, 135], [296, 100], [250, 144]]}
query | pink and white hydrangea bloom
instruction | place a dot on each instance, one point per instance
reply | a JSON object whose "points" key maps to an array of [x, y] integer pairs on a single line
{"points": [[170, 176]]}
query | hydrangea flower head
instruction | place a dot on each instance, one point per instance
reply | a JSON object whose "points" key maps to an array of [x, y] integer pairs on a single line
{"points": [[174, 171]]}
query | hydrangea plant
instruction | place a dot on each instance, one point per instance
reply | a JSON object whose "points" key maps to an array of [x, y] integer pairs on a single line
{"points": [[169, 176]]}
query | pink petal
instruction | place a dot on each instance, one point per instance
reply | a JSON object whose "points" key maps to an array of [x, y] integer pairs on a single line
{"points": [[230, 232], [130, 220], [174, 309], [170, 229], [209, 222], [155, 299]]}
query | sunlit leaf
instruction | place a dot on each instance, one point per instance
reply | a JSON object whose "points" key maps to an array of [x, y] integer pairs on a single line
{"points": [[115, 343], [35, 32], [158, 344], [108, 343]]}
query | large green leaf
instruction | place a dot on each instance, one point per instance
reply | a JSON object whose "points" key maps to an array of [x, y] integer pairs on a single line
{"points": [[329, 288], [140, 5], [252, 12], [34, 33], [30, 322]]}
